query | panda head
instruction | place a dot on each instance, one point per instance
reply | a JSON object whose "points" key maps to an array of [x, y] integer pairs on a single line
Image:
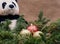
{"points": [[9, 7]]}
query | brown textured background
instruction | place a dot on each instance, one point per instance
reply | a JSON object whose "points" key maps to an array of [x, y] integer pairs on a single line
{"points": [[31, 8]]}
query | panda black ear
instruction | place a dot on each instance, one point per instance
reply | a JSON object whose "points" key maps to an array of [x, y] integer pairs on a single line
{"points": [[16, 0]]}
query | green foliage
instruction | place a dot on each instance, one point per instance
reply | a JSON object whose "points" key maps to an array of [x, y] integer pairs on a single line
{"points": [[41, 22], [54, 30], [21, 23], [7, 37], [11, 37], [5, 25], [51, 32], [31, 40]]}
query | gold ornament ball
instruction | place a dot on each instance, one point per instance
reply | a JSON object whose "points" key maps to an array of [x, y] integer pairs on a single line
{"points": [[25, 32], [37, 34]]}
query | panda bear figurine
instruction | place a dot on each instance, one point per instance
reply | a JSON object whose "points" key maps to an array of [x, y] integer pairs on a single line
{"points": [[9, 9]]}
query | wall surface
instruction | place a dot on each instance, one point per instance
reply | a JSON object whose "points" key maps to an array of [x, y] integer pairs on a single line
{"points": [[31, 8]]}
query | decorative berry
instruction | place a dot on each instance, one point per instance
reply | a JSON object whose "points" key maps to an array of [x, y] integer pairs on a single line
{"points": [[32, 28]]}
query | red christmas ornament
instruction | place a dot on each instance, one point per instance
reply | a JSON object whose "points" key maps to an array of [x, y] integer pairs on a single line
{"points": [[32, 28]]}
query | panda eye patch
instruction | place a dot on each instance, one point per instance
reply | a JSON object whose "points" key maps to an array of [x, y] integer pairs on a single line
{"points": [[3, 4], [14, 3]]}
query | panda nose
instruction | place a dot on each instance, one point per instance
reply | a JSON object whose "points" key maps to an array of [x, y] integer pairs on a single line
{"points": [[11, 6]]}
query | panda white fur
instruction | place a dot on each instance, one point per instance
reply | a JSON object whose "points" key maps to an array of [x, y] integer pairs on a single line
{"points": [[9, 9]]}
